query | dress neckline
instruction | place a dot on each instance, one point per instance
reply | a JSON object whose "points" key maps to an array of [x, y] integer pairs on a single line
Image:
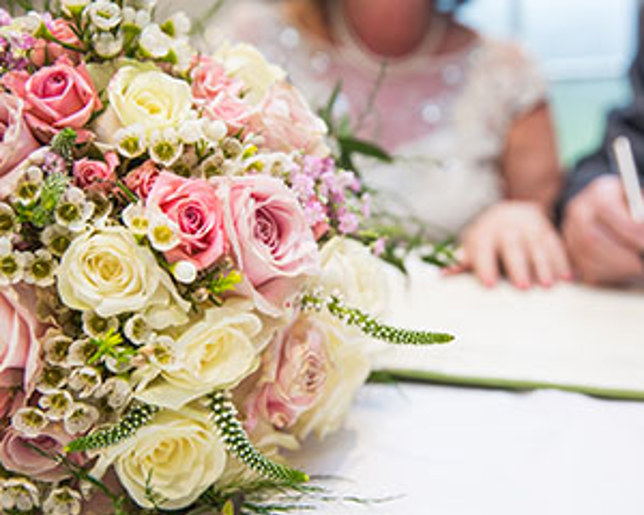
{"points": [[351, 49]]}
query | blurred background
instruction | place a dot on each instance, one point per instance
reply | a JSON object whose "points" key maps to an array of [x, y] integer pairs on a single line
{"points": [[585, 48]]}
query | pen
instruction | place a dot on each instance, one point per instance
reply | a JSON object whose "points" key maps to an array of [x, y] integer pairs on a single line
{"points": [[630, 179]]}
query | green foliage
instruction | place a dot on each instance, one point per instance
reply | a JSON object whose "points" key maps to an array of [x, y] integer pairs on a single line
{"points": [[41, 212], [63, 143], [137, 416], [224, 282], [370, 326], [341, 131], [14, 5], [238, 443], [109, 345], [80, 474]]}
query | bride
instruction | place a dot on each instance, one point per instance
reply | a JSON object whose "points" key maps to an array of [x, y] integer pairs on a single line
{"points": [[465, 115]]}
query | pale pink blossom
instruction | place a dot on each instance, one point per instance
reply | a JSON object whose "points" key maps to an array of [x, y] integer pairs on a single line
{"points": [[96, 175], [195, 206], [58, 96], [142, 178], [294, 373], [230, 109], [271, 241], [16, 142], [49, 51], [19, 347], [17, 454], [286, 122], [209, 78]]}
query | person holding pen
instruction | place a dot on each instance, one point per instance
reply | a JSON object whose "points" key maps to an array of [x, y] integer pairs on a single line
{"points": [[603, 233]]}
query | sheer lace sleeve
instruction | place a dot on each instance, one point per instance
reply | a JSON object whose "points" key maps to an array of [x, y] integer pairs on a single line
{"points": [[522, 84]]}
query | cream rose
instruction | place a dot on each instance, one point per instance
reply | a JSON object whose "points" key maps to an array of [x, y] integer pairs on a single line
{"points": [[219, 351], [144, 96], [178, 456], [245, 62], [350, 268], [108, 272], [347, 371]]}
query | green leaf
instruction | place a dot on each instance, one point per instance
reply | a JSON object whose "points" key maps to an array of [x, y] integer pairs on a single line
{"points": [[351, 144], [223, 283], [63, 143], [229, 508], [326, 113]]}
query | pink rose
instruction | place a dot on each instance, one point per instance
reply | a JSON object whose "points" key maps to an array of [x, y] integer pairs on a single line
{"points": [[16, 455], [287, 123], [142, 179], [56, 97], [19, 348], [16, 141], [230, 109], [209, 79], [196, 207], [49, 51], [271, 241], [293, 377], [98, 175]]}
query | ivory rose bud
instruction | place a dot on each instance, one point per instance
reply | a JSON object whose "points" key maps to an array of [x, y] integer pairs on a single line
{"points": [[142, 179], [145, 96], [246, 63], [16, 142], [19, 348], [178, 455], [287, 124], [271, 241], [294, 372], [55, 97], [49, 51], [348, 267], [216, 352], [195, 206], [107, 272], [17, 455], [98, 175]]}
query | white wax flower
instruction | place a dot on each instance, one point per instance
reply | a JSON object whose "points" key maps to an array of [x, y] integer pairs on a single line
{"points": [[103, 14], [106, 44], [154, 41]]}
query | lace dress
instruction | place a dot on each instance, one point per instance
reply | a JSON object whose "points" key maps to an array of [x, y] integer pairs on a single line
{"points": [[445, 118]]}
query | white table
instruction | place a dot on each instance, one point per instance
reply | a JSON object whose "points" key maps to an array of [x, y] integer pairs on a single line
{"points": [[460, 451]]}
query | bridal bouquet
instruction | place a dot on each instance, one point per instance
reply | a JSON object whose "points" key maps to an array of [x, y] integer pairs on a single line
{"points": [[183, 286]]}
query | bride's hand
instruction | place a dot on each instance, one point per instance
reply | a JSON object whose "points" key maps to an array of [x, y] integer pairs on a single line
{"points": [[518, 238]]}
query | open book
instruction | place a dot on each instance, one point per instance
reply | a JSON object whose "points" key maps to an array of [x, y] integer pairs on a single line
{"points": [[570, 337]]}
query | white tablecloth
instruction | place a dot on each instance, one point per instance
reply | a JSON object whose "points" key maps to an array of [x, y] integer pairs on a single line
{"points": [[459, 451]]}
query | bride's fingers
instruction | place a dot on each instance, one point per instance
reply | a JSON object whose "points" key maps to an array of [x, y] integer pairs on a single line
{"points": [[542, 264], [462, 264], [558, 257], [484, 261], [514, 256]]}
